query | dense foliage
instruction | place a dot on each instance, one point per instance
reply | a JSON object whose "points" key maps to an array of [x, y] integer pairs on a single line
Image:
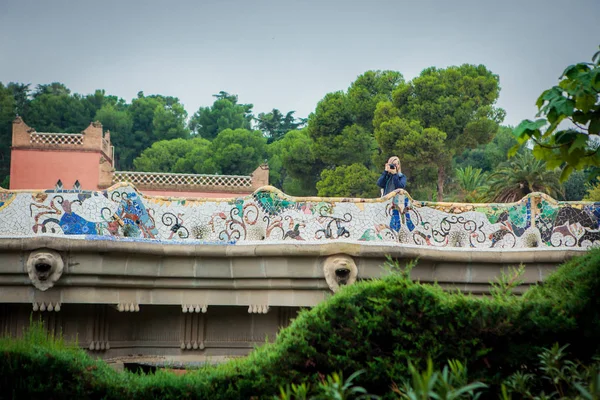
{"points": [[521, 175], [382, 327], [575, 100]]}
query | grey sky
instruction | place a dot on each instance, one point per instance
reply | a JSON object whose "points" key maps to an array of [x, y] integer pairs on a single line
{"points": [[289, 54]]}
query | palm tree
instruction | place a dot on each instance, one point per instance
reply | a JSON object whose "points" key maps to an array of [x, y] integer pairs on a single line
{"points": [[521, 175], [472, 183]]}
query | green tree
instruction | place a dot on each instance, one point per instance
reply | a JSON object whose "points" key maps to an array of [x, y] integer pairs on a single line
{"points": [[116, 119], [225, 113], [163, 155], [239, 151], [593, 193], [576, 99], [353, 180], [54, 89], [169, 122], [20, 93], [292, 166], [198, 159], [521, 175], [95, 101], [472, 183], [274, 125], [7, 115], [54, 109], [154, 118], [576, 186], [489, 155], [342, 124], [368, 90], [457, 101]]}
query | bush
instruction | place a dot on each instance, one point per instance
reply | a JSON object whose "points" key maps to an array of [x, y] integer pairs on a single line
{"points": [[379, 326]]}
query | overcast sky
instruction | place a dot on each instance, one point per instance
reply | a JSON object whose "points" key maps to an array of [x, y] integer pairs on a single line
{"points": [[289, 54]]}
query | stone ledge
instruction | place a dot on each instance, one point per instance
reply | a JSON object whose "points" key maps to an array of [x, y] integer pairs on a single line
{"points": [[282, 249]]}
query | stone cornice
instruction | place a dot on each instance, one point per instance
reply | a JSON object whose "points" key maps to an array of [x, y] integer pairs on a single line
{"points": [[289, 249]]}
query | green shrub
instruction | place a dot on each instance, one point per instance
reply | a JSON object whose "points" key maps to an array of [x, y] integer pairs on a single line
{"points": [[379, 326]]}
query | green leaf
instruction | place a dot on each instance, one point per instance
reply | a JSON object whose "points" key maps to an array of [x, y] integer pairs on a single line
{"points": [[513, 150], [580, 142], [551, 93], [563, 106], [565, 173], [528, 127], [572, 71], [594, 128], [581, 117], [585, 102], [596, 80], [564, 137]]}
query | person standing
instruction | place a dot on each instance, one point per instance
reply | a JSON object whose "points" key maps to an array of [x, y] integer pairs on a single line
{"points": [[392, 177]]}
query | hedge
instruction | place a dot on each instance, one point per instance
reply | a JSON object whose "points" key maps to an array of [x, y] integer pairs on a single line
{"points": [[377, 326]]}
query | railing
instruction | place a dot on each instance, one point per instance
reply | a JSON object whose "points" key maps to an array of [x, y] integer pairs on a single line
{"points": [[56, 138], [268, 215], [167, 179]]}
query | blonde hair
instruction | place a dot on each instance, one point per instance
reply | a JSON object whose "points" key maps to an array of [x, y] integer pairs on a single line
{"points": [[395, 160]]}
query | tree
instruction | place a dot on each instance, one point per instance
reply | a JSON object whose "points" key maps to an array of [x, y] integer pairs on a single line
{"points": [[457, 101], [169, 122], [292, 166], [54, 89], [576, 100], [489, 155], [576, 186], [418, 148], [368, 90], [342, 124], [54, 109], [7, 115], [163, 155], [274, 125], [472, 183], [116, 119], [225, 113], [593, 194], [521, 175], [238, 152], [198, 160], [20, 93], [154, 118], [354, 180]]}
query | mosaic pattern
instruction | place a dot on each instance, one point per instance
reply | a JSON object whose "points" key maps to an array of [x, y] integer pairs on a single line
{"points": [[122, 213]]}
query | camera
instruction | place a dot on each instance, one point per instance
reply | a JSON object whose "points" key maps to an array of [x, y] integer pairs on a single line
{"points": [[391, 166]]}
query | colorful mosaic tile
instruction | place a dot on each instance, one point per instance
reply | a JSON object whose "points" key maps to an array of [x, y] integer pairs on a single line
{"points": [[122, 213]]}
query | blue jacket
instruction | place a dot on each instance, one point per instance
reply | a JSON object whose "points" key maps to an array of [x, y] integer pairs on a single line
{"points": [[390, 182]]}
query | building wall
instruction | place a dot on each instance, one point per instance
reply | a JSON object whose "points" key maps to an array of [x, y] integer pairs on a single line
{"points": [[42, 168], [39, 160]]}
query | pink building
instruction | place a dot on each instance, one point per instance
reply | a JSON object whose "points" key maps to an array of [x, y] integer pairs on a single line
{"points": [[85, 160]]}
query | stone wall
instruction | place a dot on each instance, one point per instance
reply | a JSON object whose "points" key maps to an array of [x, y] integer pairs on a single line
{"points": [[268, 215]]}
